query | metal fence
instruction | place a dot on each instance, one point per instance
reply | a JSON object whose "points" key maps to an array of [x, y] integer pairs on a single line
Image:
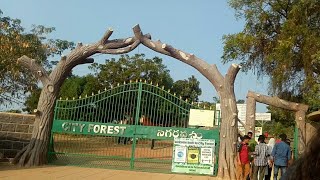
{"points": [[131, 126]]}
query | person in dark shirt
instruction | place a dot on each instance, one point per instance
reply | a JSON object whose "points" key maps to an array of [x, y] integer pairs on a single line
{"points": [[281, 155]]}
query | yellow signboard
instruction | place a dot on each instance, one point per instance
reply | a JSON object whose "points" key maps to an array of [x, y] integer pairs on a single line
{"points": [[193, 155]]}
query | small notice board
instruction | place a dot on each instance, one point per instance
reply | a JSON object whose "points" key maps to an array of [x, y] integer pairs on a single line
{"points": [[200, 117], [194, 156]]}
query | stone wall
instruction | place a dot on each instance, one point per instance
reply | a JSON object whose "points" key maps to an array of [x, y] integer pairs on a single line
{"points": [[15, 132]]}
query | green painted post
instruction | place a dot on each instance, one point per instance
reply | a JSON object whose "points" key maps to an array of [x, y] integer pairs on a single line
{"points": [[135, 126], [217, 138], [296, 142]]}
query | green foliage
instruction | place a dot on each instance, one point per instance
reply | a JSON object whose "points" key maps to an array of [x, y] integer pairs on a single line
{"points": [[240, 101], [14, 111], [276, 128], [188, 89], [32, 100], [216, 99], [281, 39], [132, 68], [285, 117], [15, 42], [76, 86], [282, 121]]}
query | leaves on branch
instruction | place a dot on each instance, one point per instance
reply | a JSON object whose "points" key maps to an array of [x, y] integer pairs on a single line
{"points": [[281, 40], [15, 42]]}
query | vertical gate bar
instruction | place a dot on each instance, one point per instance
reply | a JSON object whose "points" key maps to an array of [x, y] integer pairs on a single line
{"points": [[108, 106], [75, 109], [146, 105], [151, 106], [97, 112], [80, 108], [71, 110], [104, 105], [93, 108], [135, 126], [112, 102], [85, 108], [121, 114]]}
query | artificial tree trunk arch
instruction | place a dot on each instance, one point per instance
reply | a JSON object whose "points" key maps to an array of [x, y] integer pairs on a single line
{"points": [[224, 85], [35, 154], [299, 109]]}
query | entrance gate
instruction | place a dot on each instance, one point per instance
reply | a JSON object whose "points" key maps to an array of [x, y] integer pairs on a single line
{"points": [[131, 126]]}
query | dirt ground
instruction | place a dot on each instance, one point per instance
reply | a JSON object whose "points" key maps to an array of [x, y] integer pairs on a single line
{"points": [[10, 172], [108, 146], [106, 152]]}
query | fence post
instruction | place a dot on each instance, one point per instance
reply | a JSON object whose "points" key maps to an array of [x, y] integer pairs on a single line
{"points": [[296, 140]]}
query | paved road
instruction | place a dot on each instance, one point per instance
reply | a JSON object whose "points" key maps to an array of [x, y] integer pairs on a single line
{"points": [[77, 173]]}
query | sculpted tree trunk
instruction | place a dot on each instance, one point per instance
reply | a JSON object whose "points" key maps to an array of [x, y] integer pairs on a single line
{"points": [[224, 85], [35, 153], [299, 109]]}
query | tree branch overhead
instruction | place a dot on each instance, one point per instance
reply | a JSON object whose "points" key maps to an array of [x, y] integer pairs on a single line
{"points": [[202, 66], [36, 69]]}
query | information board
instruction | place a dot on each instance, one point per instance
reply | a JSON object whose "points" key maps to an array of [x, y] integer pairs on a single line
{"points": [[201, 118], [194, 156]]}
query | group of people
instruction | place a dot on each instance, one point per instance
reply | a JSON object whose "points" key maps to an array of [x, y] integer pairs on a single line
{"points": [[257, 159]]}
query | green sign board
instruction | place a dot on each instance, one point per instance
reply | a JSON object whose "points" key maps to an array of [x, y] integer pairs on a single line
{"points": [[122, 130], [194, 156]]}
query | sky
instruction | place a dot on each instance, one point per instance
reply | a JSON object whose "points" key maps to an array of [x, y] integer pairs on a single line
{"points": [[193, 26]]}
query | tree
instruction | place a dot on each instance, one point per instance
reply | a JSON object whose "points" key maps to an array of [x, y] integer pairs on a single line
{"points": [[282, 116], [15, 42], [188, 89], [32, 100], [36, 151], [130, 68], [240, 101], [280, 40], [216, 99], [276, 128], [224, 85], [73, 87]]}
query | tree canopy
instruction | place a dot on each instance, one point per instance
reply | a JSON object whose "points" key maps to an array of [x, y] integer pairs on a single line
{"points": [[15, 41], [132, 68], [188, 89], [280, 40]]}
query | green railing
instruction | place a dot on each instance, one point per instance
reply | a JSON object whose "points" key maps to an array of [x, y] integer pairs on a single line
{"points": [[131, 126]]}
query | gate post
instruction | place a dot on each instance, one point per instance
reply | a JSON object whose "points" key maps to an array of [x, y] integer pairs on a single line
{"points": [[135, 126]]}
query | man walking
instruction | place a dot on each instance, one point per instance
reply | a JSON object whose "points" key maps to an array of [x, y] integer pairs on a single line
{"points": [[261, 159], [281, 156], [243, 168]]}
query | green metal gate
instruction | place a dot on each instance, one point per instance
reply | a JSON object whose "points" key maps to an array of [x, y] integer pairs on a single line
{"points": [[131, 126]]}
